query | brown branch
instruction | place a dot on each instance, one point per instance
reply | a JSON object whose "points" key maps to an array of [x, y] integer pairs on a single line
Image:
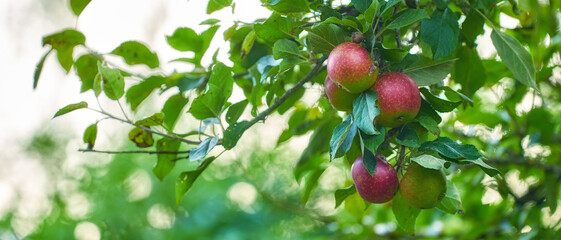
{"points": [[521, 160], [133, 152]]}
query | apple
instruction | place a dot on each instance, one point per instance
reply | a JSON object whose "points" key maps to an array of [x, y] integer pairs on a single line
{"points": [[399, 99], [422, 187], [339, 98], [378, 188], [350, 66]]}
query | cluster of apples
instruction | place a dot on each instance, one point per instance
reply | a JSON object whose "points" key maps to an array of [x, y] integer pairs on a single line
{"points": [[350, 71]]}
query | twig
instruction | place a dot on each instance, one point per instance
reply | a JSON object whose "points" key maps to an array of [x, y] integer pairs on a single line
{"points": [[286, 95], [134, 151], [400, 158]]}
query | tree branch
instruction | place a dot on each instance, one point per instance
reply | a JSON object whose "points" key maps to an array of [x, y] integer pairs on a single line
{"points": [[521, 160], [279, 101], [134, 151]]}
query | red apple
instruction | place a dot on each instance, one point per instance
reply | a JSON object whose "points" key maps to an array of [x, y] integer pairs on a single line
{"points": [[339, 98], [399, 99], [378, 188], [351, 67]]}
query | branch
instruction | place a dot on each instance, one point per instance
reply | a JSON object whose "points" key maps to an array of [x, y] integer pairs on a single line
{"points": [[285, 96], [400, 158], [133, 152], [521, 160]]}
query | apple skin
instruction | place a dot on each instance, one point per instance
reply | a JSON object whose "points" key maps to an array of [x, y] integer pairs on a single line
{"points": [[339, 98], [379, 188], [399, 99], [351, 67], [422, 187]]}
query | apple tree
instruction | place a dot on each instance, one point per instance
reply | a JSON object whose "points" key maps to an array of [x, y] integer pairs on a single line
{"points": [[412, 104]]}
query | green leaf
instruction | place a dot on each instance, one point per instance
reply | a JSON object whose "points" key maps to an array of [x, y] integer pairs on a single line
{"points": [[429, 161], [469, 71], [369, 161], [343, 193], [289, 6], [370, 13], [317, 145], [392, 54], [137, 53], [472, 27], [39, 68], [515, 57], [451, 149], [112, 82], [439, 104], [215, 5], [324, 37], [311, 183], [233, 133], [285, 48], [406, 17], [451, 203], [342, 138], [451, 93], [155, 120], [551, 191], [166, 161], [90, 134], [235, 111], [78, 6], [67, 38], [203, 149], [372, 142], [141, 138], [344, 21], [405, 215], [426, 73], [64, 56], [428, 118], [210, 21], [211, 103], [361, 5], [138, 93], [407, 136], [289, 103], [185, 39], [97, 84], [86, 68], [187, 82], [441, 32], [70, 107], [186, 179], [277, 27], [389, 4], [365, 110], [491, 171], [247, 43], [172, 109]]}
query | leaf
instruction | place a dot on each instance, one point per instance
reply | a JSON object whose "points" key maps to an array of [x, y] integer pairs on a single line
{"points": [[343, 193], [39, 68], [389, 4], [469, 71], [551, 191], [429, 161], [97, 84], [369, 161], [86, 68], [472, 27], [185, 39], [317, 146], [342, 138], [372, 142], [407, 136], [289, 6], [441, 32], [361, 5], [491, 171], [515, 57], [138, 93], [324, 37], [277, 27], [451, 93], [235, 111], [112, 82], [451, 149], [203, 149], [186, 179], [233, 133], [64, 56], [427, 73], [370, 13], [166, 161], [220, 86], [64, 42], [78, 6], [311, 183], [248, 43], [365, 110], [405, 215], [90, 134], [70, 107], [210, 21], [141, 138], [406, 17], [344, 21], [428, 118], [451, 203], [137, 53], [285, 48], [215, 5], [439, 104], [154, 120]]}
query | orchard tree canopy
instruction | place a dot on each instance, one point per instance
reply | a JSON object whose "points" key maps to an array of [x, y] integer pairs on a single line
{"points": [[456, 122]]}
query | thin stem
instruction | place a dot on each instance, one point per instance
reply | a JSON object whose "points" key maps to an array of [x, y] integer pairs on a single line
{"points": [[134, 152], [123, 111], [400, 158]]}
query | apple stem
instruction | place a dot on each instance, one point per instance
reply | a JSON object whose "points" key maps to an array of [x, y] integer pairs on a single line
{"points": [[400, 158]]}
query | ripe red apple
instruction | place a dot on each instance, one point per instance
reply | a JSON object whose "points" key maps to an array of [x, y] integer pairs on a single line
{"points": [[379, 188], [339, 98], [422, 187], [399, 99], [351, 67]]}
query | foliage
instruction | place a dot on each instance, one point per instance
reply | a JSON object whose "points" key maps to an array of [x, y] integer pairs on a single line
{"points": [[493, 112]]}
